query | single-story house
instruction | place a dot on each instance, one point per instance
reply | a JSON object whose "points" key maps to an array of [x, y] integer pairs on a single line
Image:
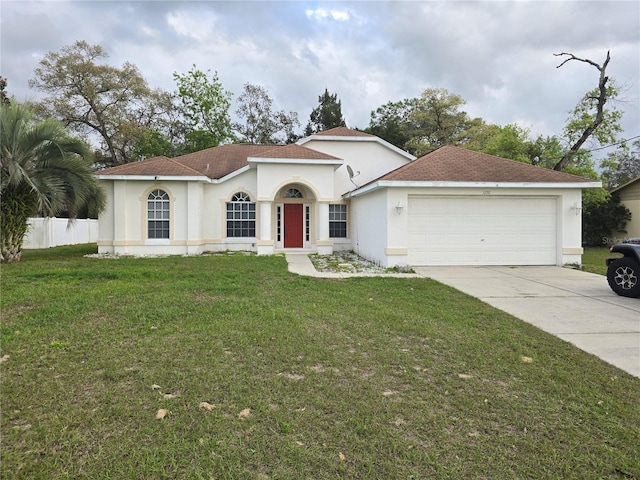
{"points": [[629, 195], [342, 189]]}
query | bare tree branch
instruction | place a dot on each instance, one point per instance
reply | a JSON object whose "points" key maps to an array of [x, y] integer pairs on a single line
{"points": [[601, 99]]}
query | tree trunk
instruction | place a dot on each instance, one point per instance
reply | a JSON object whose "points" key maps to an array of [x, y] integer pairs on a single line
{"points": [[16, 206], [602, 99]]}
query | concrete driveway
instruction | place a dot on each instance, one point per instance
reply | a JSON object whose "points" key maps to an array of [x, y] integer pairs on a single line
{"points": [[575, 306]]}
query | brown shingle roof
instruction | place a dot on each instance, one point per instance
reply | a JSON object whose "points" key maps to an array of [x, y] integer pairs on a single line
{"points": [[152, 166], [343, 132], [295, 151], [214, 162], [456, 164]]}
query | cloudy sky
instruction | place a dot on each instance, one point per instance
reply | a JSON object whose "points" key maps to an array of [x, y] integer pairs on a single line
{"points": [[497, 55]]}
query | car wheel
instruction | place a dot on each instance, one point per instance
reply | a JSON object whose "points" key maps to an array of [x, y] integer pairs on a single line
{"points": [[623, 276]]}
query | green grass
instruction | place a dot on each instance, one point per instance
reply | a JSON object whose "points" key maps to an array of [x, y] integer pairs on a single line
{"points": [[361, 378], [594, 259]]}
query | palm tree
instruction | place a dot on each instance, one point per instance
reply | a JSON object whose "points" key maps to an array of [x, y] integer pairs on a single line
{"points": [[42, 171]]}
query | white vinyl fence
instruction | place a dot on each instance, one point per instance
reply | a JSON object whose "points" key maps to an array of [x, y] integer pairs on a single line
{"points": [[51, 232]]}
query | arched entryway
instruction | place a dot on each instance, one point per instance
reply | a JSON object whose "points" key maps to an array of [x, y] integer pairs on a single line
{"points": [[293, 217]]}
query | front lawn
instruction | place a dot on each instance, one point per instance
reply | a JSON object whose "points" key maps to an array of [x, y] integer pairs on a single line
{"points": [[594, 259], [262, 374]]}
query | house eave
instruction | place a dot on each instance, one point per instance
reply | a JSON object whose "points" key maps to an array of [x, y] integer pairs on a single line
{"points": [[336, 163], [157, 178], [429, 184]]}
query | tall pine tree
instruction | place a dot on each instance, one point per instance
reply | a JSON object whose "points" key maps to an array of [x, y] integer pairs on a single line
{"points": [[328, 114]]}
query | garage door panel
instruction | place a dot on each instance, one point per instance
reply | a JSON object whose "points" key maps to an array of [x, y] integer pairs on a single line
{"points": [[482, 231]]}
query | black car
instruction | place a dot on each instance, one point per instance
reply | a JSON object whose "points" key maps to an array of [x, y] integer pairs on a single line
{"points": [[623, 274]]}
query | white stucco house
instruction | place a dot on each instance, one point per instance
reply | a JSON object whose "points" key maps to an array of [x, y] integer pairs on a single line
{"points": [[343, 189]]}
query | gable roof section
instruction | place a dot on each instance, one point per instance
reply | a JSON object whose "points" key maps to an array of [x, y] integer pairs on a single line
{"points": [[214, 163], [344, 134], [451, 166], [456, 164]]}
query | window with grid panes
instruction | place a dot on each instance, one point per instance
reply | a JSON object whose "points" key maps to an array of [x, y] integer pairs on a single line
{"points": [[158, 214], [337, 221], [241, 216]]}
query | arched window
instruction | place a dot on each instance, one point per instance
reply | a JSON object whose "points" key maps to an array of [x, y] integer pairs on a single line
{"points": [[241, 216], [293, 193], [158, 214]]}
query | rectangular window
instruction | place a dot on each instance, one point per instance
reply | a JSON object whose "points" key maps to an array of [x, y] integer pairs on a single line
{"points": [[241, 219], [158, 229], [337, 221], [278, 223]]}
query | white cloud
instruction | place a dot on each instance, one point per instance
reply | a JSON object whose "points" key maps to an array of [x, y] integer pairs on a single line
{"points": [[340, 16], [192, 26], [497, 55], [322, 14]]}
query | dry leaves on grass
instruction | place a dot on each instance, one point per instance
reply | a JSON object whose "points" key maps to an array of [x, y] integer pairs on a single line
{"points": [[4, 358], [292, 376], [162, 413], [527, 359], [206, 406], [246, 413]]}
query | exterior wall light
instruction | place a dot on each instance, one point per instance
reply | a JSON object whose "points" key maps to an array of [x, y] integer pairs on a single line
{"points": [[577, 208], [399, 208]]}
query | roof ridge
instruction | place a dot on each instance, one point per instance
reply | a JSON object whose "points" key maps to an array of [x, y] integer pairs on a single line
{"points": [[342, 128], [176, 162], [275, 147]]}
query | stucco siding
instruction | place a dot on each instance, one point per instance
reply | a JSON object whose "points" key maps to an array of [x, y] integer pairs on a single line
{"points": [[318, 178], [368, 226], [369, 158], [106, 220]]}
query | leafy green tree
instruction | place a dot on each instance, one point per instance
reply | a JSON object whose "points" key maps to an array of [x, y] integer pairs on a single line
{"points": [[478, 134], [166, 131], [206, 107], [42, 171], [602, 216], [510, 141], [621, 166], [328, 114], [391, 121], [421, 125], [546, 151], [261, 123], [94, 99], [590, 118], [436, 121], [4, 98]]}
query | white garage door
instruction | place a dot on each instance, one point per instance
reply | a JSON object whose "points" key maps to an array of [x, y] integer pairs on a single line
{"points": [[482, 231]]}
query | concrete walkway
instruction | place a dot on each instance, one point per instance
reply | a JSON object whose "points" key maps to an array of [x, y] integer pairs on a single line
{"points": [[576, 306]]}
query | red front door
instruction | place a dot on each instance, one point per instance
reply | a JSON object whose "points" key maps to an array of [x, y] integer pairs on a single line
{"points": [[293, 225]]}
